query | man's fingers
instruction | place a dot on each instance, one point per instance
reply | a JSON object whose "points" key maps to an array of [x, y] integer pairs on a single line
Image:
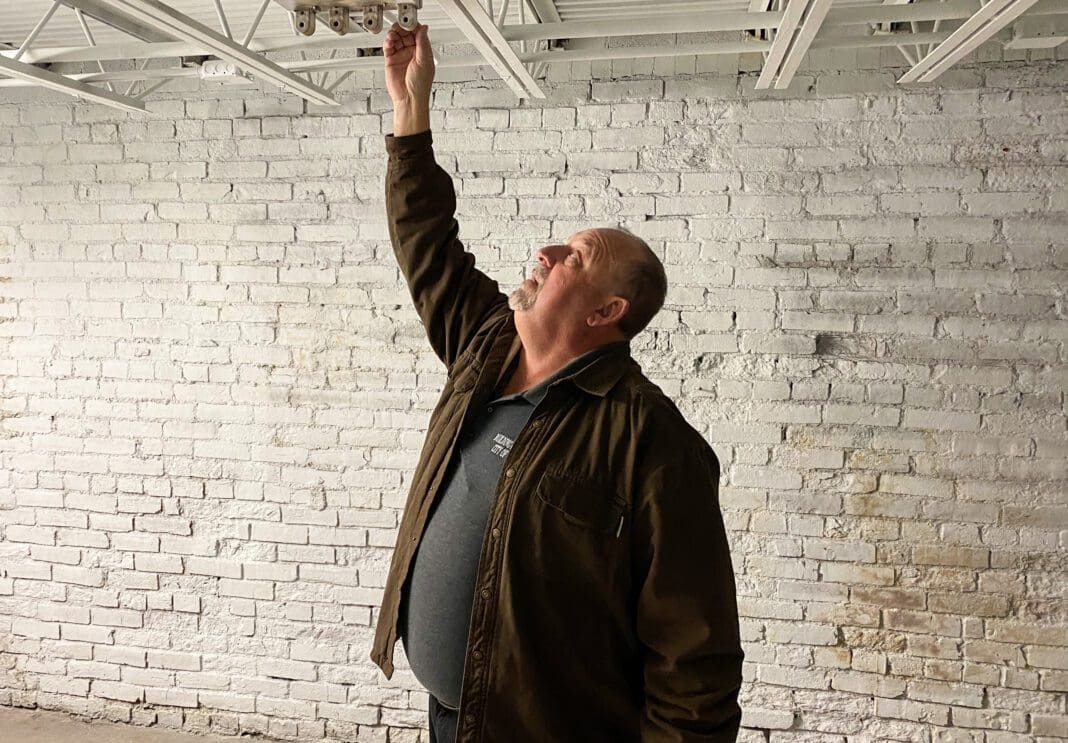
{"points": [[399, 34], [396, 42], [422, 54], [401, 37]]}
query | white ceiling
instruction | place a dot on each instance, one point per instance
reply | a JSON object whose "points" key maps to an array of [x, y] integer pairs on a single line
{"points": [[823, 24], [18, 17]]}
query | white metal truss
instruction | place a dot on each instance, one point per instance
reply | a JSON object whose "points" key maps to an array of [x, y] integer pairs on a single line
{"points": [[987, 21], [99, 10], [183, 27], [52, 81], [794, 36], [519, 38], [481, 30]]}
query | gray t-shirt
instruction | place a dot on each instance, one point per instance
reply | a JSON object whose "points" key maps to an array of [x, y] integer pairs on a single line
{"points": [[435, 609]]}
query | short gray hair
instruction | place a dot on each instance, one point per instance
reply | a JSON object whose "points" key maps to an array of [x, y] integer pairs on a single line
{"points": [[642, 282]]}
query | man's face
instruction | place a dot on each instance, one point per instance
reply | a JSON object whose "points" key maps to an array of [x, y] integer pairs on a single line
{"points": [[569, 282]]}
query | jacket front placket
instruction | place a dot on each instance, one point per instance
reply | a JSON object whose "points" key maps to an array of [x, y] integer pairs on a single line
{"points": [[491, 367], [474, 686]]}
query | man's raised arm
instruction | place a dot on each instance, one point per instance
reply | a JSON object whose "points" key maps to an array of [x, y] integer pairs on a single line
{"points": [[452, 297]]}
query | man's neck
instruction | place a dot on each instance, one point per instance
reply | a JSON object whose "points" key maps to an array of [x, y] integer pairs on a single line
{"points": [[533, 367]]}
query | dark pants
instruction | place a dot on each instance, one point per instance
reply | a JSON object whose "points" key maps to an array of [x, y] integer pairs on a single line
{"points": [[442, 722]]}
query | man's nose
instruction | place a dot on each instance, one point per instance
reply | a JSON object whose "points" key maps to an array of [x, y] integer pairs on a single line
{"points": [[549, 255]]}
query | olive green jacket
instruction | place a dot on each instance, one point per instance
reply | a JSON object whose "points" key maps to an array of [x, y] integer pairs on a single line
{"points": [[604, 606]]}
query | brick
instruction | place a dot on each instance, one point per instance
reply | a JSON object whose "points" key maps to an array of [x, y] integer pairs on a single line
{"points": [[217, 567], [288, 669], [118, 691]]}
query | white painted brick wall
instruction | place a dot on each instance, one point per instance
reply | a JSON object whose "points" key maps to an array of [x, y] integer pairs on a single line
{"points": [[214, 386]]}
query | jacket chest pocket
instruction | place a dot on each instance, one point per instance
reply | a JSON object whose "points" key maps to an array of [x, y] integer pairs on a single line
{"points": [[583, 502], [465, 373]]}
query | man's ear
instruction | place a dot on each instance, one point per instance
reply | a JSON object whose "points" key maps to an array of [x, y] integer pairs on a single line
{"points": [[610, 312]]}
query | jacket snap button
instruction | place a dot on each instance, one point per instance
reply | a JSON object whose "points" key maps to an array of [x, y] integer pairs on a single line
{"points": [[536, 424], [510, 472], [469, 718], [485, 593], [477, 654], [496, 532]]}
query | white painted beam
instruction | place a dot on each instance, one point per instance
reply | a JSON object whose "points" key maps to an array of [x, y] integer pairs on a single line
{"points": [[810, 26], [471, 18], [45, 78], [987, 21], [793, 37]]}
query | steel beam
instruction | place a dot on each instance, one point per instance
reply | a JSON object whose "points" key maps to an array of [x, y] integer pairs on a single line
{"points": [[48, 79], [471, 18], [792, 39], [991, 18]]}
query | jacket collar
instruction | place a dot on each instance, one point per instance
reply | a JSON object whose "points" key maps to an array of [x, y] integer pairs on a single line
{"points": [[598, 377], [601, 375]]}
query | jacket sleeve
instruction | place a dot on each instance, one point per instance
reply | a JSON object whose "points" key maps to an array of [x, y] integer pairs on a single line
{"points": [[687, 614], [451, 296]]}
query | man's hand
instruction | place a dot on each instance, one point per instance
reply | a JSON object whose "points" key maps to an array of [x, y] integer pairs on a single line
{"points": [[409, 75]]}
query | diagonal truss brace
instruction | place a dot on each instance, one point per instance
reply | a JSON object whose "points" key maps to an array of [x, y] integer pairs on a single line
{"points": [[471, 18], [987, 21], [800, 24]]}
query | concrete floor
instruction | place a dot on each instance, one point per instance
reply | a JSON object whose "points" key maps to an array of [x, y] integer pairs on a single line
{"points": [[40, 726]]}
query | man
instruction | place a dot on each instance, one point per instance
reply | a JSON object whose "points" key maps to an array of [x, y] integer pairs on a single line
{"points": [[562, 571]]}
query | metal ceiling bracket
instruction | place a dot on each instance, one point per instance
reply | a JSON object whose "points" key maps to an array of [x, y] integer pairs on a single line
{"points": [[339, 12]]}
